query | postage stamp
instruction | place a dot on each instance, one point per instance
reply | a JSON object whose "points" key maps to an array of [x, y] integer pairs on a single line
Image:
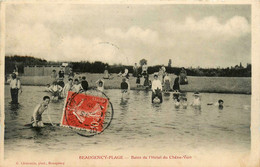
{"points": [[84, 112]]}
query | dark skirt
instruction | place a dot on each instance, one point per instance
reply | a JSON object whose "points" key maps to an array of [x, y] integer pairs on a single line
{"points": [[138, 81], [14, 95]]}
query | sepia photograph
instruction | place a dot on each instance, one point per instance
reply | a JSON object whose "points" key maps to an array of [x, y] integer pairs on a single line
{"points": [[126, 84]]}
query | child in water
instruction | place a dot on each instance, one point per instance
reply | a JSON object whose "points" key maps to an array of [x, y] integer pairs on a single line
{"points": [[37, 114], [124, 86], [196, 101], [177, 103], [219, 104], [156, 89], [55, 89], [100, 85], [184, 103]]}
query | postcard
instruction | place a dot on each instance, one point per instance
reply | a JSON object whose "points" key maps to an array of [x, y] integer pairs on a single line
{"points": [[130, 83]]}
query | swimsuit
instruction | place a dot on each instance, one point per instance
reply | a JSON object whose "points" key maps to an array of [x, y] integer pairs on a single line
{"points": [[38, 118]]}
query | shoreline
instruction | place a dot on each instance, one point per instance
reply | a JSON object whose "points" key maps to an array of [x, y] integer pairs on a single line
{"points": [[143, 89], [231, 85]]}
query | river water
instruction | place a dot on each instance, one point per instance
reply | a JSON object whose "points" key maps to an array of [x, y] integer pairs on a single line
{"points": [[137, 124]]}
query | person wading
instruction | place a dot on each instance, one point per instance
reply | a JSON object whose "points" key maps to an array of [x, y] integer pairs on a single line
{"points": [[15, 86]]}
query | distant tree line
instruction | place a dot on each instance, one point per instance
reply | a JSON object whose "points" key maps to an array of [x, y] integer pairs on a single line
{"points": [[20, 62]]}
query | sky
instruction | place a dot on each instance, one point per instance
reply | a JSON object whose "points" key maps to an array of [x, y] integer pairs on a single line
{"points": [[189, 35]]}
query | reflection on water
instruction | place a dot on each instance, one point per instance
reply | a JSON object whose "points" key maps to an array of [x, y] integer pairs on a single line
{"points": [[136, 124]]}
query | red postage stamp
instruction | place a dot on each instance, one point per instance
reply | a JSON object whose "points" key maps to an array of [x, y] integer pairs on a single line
{"points": [[83, 111]]}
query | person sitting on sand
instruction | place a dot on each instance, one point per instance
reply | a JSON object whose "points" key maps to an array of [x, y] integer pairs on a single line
{"points": [[77, 86], [84, 83], [55, 89], [196, 101], [219, 104], [156, 88], [67, 87], [100, 85], [38, 111]]}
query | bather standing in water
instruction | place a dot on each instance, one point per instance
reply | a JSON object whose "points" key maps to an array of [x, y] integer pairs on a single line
{"points": [[15, 86], [156, 89], [196, 100], [184, 103], [177, 103], [124, 88]]}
